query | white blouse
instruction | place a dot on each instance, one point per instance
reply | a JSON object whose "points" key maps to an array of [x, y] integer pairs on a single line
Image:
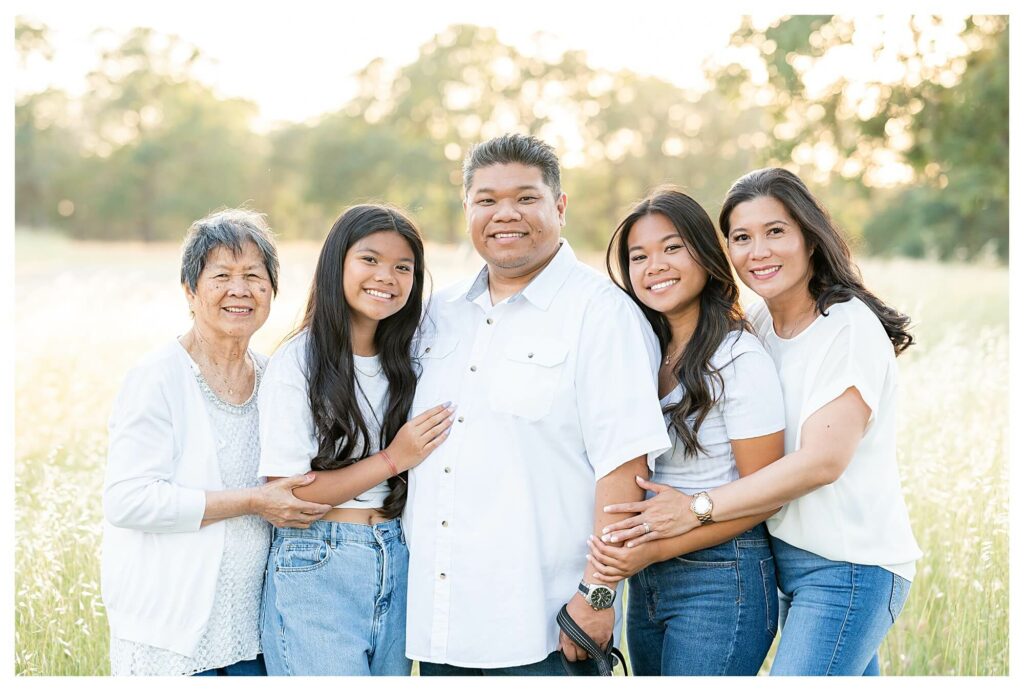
{"points": [[749, 405], [861, 517]]}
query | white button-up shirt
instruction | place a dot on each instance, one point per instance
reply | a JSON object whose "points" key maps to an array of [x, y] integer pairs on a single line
{"points": [[556, 387]]}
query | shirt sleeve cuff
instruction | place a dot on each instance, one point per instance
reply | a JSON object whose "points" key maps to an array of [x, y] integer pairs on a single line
{"points": [[191, 507]]}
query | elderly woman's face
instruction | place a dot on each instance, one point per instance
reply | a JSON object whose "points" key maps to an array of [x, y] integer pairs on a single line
{"points": [[233, 293]]}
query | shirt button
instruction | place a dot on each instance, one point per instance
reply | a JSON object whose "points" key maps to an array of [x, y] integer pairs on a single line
{"points": [[472, 368], [444, 524], [529, 355], [444, 576], [427, 350], [461, 419], [447, 469], [490, 321]]}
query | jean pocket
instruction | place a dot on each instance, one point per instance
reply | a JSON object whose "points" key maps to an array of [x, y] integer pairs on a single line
{"points": [[302, 555], [693, 560], [771, 594], [900, 591]]}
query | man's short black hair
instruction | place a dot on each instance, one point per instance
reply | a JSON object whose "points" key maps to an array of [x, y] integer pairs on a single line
{"points": [[514, 148]]}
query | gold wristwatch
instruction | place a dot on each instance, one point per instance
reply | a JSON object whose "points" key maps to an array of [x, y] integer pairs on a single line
{"points": [[702, 506]]}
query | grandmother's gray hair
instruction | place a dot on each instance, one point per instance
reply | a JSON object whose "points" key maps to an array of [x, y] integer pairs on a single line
{"points": [[229, 228]]}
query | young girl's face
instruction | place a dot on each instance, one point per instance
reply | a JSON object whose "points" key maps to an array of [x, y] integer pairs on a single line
{"points": [[663, 273], [378, 275]]}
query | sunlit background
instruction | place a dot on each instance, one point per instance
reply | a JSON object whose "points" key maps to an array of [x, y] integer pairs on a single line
{"points": [[132, 120]]}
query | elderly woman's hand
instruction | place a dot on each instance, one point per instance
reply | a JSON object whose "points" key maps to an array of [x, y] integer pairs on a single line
{"points": [[666, 514], [275, 502]]}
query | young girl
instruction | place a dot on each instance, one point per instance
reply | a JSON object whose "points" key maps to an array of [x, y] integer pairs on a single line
{"points": [[703, 603], [843, 546], [335, 399]]}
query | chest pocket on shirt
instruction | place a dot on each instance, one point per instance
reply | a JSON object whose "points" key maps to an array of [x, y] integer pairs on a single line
{"points": [[430, 386], [526, 378]]}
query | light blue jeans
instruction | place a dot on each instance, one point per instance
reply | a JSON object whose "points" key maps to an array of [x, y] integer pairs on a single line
{"points": [[709, 612], [334, 600], [833, 614]]}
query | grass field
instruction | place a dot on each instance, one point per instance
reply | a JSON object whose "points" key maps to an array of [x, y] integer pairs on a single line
{"points": [[86, 312]]}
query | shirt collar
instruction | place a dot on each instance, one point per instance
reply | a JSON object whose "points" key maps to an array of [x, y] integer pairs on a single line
{"points": [[541, 290]]}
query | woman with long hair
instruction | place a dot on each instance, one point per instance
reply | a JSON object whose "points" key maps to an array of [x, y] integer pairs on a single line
{"points": [[335, 399], [843, 545], [703, 603]]}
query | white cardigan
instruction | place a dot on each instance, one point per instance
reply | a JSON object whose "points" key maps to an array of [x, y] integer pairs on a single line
{"points": [[158, 568]]}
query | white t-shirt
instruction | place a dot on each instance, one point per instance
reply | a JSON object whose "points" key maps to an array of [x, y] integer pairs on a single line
{"points": [[749, 405], [861, 517], [288, 440], [556, 387]]}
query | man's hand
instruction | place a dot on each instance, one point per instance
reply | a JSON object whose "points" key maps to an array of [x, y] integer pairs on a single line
{"points": [[597, 623]]}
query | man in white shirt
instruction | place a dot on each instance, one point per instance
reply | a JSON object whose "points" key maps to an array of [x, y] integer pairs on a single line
{"points": [[554, 372]]}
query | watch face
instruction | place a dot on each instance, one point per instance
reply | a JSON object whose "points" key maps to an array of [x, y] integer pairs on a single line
{"points": [[602, 597], [702, 504]]}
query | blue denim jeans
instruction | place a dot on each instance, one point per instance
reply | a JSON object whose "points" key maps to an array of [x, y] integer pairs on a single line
{"points": [[242, 668], [709, 612], [334, 600], [834, 614], [551, 666]]}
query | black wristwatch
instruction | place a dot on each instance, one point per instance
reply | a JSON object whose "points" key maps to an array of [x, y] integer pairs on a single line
{"points": [[597, 596]]}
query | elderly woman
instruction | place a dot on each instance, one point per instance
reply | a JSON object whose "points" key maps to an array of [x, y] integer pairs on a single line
{"points": [[185, 543]]}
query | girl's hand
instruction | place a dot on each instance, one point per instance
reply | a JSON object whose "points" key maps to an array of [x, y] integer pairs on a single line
{"points": [[612, 564], [666, 514], [421, 435]]}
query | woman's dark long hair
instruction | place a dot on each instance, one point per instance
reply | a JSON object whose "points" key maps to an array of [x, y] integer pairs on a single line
{"points": [[333, 392], [720, 311], [834, 276]]}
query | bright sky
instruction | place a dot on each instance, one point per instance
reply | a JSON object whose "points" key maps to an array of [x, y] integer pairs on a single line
{"points": [[282, 55]]}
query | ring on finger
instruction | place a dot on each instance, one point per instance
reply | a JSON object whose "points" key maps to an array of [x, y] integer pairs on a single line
{"points": [[647, 528]]}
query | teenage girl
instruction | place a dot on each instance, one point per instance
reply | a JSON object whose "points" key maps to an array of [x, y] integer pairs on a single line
{"points": [[703, 603], [335, 400]]}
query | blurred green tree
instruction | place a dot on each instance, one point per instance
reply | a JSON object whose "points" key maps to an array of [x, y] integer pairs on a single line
{"points": [[159, 148], [44, 139], [940, 109]]}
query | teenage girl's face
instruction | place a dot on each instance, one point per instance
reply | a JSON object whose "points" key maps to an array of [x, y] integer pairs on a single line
{"points": [[663, 273], [378, 275], [768, 249]]}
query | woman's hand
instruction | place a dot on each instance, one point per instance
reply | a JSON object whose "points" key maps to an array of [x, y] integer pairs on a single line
{"points": [[421, 435], [666, 514], [613, 564], [275, 502]]}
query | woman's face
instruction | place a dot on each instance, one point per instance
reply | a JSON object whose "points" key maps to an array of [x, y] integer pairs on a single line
{"points": [[378, 275], [768, 249], [233, 293], [663, 273]]}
